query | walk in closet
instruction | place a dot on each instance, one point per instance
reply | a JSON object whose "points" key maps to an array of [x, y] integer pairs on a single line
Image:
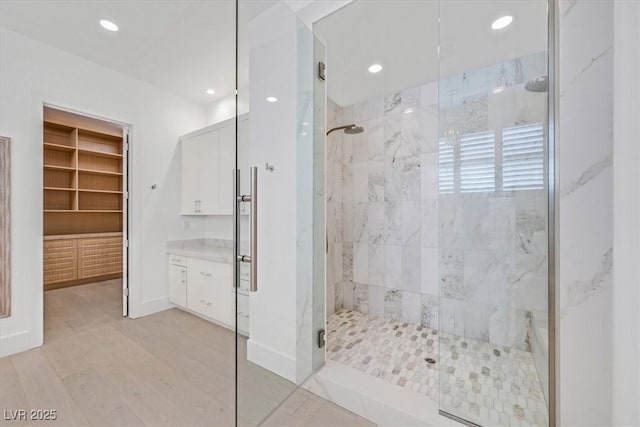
{"points": [[84, 182]]}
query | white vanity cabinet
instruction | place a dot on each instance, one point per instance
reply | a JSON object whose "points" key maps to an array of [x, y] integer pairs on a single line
{"points": [[210, 289], [243, 300], [178, 280]]}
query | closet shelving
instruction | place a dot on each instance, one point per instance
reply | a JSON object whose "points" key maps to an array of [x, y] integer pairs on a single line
{"points": [[83, 178]]}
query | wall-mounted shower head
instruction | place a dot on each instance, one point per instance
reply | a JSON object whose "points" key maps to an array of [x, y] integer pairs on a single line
{"points": [[351, 129], [354, 130], [540, 84]]}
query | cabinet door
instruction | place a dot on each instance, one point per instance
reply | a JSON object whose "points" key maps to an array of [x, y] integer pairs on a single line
{"points": [[243, 162], [210, 289], [190, 176], [225, 169], [223, 293], [208, 172], [178, 285], [200, 284]]}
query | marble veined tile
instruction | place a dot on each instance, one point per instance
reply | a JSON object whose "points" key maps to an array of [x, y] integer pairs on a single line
{"points": [[376, 181], [376, 265], [393, 304], [411, 223], [376, 223], [392, 266]]}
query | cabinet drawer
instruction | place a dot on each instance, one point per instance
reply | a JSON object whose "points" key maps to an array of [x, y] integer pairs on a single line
{"points": [[97, 242], [100, 252], [209, 289], [62, 244], [243, 325], [59, 261], [99, 261], [245, 271], [177, 260], [243, 305], [178, 285], [60, 266]]}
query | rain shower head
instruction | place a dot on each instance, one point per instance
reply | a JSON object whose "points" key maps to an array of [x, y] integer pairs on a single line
{"points": [[354, 130], [540, 84], [351, 129]]}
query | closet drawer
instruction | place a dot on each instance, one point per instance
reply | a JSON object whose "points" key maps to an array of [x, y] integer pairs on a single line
{"points": [[99, 242], [62, 244], [60, 265], [99, 256]]}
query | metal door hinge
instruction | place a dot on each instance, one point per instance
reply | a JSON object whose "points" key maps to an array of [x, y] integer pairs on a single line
{"points": [[321, 338], [322, 71], [126, 292], [125, 243]]}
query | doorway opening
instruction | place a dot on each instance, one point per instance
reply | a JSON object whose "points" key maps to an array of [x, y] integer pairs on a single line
{"points": [[85, 241]]}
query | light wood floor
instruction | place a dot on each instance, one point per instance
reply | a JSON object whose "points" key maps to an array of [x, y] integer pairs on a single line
{"points": [[167, 369]]}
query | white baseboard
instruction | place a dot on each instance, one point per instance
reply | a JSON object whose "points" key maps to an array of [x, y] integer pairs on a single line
{"points": [[268, 358], [149, 307], [15, 343]]}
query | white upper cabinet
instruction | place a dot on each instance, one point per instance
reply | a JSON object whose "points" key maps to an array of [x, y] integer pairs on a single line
{"points": [[207, 170], [225, 172]]}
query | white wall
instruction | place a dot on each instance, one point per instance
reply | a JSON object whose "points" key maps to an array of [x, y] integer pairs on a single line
{"points": [[272, 136], [626, 201], [225, 107], [32, 73], [585, 226], [281, 336]]}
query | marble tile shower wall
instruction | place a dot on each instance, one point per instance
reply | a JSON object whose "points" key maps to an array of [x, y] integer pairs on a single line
{"points": [[404, 244], [493, 244], [390, 206], [333, 185]]}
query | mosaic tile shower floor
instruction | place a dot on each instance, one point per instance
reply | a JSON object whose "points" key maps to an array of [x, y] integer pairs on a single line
{"points": [[484, 383]]}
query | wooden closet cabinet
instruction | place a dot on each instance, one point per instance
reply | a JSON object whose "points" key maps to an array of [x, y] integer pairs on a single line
{"points": [[73, 260]]}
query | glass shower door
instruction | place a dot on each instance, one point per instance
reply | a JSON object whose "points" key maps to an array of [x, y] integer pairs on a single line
{"points": [[493, 221], [276, 309]]}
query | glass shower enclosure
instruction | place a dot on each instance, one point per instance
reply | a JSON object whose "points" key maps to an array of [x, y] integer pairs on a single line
{"points": [[401, 151]]}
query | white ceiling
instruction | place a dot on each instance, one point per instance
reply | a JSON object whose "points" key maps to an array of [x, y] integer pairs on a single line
{"points": [[184, 46], [188, 46], [403, 36]]}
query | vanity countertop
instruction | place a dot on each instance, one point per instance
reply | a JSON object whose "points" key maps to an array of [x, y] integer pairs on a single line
{"points": [[217, 250]]}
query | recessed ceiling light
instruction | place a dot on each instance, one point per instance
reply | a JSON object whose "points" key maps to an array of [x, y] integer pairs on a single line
{"points": [[272, 99], [375, 68], [408, 111], [497, 89], [211, 91], [108, 25], [502, 22], [305, 123]]}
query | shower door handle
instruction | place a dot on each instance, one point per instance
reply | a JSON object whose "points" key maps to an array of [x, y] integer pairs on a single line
{"points": [[252, 258]]}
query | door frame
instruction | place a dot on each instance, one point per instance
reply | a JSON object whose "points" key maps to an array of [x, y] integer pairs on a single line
{"points": [[126, 192]]}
